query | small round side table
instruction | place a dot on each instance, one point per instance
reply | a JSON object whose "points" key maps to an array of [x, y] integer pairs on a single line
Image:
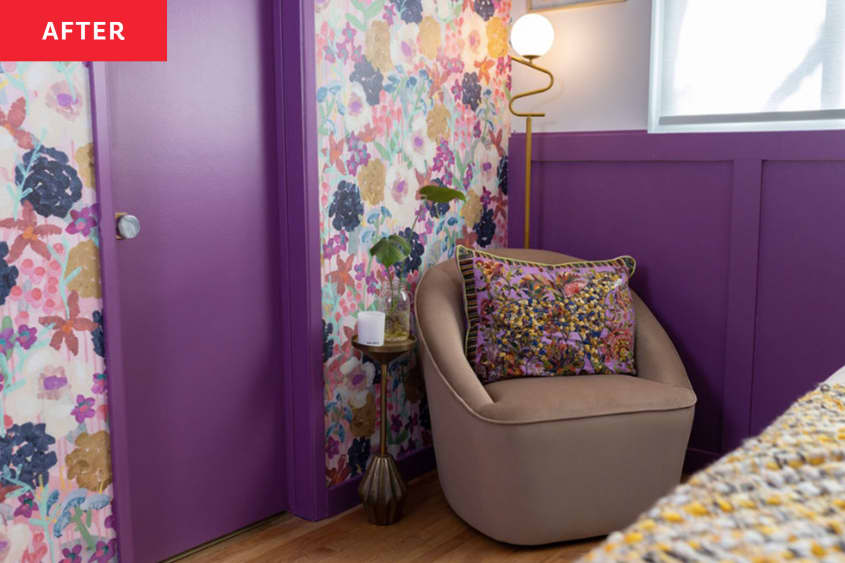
{"points": [[382, 489]]}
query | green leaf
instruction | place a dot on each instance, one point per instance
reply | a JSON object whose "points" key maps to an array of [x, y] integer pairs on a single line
{"points": [[375, 9], [356, 22], [439, 194], [390, 250], [402, 243], [382, 151]]}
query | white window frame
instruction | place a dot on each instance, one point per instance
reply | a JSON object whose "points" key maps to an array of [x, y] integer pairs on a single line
{"points": [[771, 121]]}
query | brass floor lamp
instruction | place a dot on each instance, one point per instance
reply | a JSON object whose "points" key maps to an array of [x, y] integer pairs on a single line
{"points": [[532, 36]]}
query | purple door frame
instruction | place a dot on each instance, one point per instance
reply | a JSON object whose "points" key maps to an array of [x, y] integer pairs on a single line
{"points": [[299, 260]]}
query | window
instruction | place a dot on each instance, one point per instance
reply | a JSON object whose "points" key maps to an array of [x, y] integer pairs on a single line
{"points": [[746, 65]]}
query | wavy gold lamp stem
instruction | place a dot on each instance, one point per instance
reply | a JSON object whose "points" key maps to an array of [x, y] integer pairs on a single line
{"points": [[529, 62]]}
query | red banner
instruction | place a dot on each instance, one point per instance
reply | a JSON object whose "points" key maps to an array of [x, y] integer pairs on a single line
{"points": [[84, 30]]}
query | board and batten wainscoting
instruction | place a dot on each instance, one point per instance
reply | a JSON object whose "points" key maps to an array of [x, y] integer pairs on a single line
{"points": [[739, 242]]}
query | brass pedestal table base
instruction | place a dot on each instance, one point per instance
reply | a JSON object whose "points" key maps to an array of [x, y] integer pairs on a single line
{"points": [[382, 489]]}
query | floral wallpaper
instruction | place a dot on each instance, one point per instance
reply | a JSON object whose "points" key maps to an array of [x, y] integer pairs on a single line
{"points": [[409, 92], [55, 475]]}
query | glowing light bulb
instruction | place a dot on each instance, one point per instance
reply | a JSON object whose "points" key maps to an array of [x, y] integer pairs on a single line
{"points": [[532, 35]]}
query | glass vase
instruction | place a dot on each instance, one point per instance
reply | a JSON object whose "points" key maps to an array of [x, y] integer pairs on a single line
{"points": [[396, 304]]}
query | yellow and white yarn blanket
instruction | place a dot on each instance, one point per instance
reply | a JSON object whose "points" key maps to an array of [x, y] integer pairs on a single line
{"points": [[780, 496]]}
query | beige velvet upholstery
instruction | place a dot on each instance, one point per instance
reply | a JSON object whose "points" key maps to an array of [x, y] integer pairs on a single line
{"points": [[538, 460]]}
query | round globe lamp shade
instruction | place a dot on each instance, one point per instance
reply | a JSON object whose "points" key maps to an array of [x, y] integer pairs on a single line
{"points": [[532, 35]]}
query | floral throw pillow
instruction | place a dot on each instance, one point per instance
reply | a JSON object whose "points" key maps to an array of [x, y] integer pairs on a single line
{"points": [[531, 319]]}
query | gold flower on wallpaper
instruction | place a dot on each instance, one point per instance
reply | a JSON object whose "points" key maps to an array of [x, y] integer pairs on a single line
{"points": [[85, 161], [89, 462], [371, 179], [363, 421], [86, 257], [377, 47], [497, 38], [472, 208], [429, 37], [438, 123]]}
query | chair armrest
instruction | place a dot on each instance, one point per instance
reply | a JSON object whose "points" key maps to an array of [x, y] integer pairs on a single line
{"points": [[656, 356], [440, 329]]}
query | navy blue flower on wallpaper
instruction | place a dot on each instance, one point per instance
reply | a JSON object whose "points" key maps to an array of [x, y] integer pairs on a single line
{"points": [[414, 259], [409, 10], [53, 185], [484, 8], [471, 90], [8, 274], [346, 208], [328, 342], [359, 453], [370, 79], [502, 175], [485, 228], [97, 335], [438, 210], [25, 455]]}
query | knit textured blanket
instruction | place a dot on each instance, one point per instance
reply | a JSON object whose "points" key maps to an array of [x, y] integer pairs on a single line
{"points": [[780, 496]]}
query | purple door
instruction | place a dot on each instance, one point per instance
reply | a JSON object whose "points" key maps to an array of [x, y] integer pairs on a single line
{"points": [[193, 156]]}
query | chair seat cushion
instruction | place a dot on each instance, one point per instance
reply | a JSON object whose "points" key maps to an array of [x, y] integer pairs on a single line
{"points": [[580, 396]]}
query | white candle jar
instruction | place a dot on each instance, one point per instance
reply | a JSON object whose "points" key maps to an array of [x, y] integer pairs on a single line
{"points": [[371, 328]]}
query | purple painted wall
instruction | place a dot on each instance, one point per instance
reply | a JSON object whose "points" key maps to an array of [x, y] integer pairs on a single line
{"points": [[739, 251], [800, 303]]}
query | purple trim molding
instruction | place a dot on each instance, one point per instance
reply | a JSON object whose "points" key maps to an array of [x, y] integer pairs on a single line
{"points": [[693, 206], [110, 281], [300, 260], [742, 300]]}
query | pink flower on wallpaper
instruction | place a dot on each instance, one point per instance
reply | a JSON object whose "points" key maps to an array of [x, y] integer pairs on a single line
{"points": [[332, 447], [399, 189], [99, 386], [82, 221], [27, 505], [105, 552], [61, 99], [84, 408], [72, 554], [26, 336], [52, 382]]}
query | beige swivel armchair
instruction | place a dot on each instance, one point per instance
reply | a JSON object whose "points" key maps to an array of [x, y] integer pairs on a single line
{"points": [[539, 460]]}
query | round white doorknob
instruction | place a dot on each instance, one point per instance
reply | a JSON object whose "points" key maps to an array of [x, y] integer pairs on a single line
{"points": [[128, 226]]}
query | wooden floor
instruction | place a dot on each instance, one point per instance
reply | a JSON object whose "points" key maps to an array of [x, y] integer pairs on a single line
{"points": [[429, 531]]}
